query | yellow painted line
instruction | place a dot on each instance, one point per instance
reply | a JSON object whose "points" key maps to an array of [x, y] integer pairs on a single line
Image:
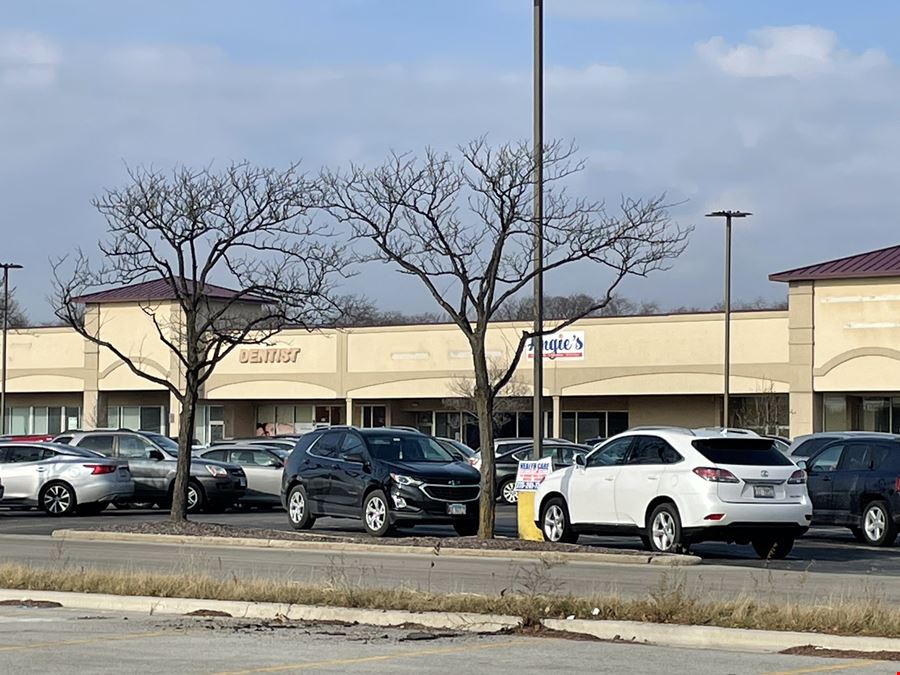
{"points": [[370, 659], [75, 643], [847, 665]]}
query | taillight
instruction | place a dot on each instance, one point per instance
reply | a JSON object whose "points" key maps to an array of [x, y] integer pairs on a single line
{"points": [[101, 468], [716, 475], [897, 484], [797, 478]]}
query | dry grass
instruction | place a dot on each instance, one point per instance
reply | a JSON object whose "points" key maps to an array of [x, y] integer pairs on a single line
{"points": [[670, 602]]}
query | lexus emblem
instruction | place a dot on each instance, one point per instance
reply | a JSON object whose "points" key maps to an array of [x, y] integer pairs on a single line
{"points": [[764, 474], [453, 482]]}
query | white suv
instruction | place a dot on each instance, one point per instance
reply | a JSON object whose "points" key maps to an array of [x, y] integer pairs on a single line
{"points": [[676, 487]]}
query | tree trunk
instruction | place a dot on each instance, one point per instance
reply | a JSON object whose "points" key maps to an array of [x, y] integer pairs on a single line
{"points": [[484, 406], [185, 443]]}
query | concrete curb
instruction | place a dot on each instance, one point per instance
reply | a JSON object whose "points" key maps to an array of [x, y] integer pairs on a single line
{"points": [[477, 623], [712, 637], [353, 547]]}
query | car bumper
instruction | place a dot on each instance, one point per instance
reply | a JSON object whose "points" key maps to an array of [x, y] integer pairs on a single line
{"points": [[412, 504], [103, 489], [743, 521], [223, 490]]}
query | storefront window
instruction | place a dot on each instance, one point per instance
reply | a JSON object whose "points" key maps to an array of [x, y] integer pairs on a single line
{"points": [[584, 426], [374, 416], [424, 422], [209, 423], [876, 414], [49, 420], [837, 416], [138, 417]]}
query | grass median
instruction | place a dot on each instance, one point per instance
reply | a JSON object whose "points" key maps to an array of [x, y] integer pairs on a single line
{"points": [[669, 602]]}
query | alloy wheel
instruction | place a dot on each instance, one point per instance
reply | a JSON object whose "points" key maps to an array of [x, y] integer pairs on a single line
{"points": [[376, 512], [510, 496], [875, 523], [554, 523], [57, 499], [192, 498], [664, 531], [296, 506]]}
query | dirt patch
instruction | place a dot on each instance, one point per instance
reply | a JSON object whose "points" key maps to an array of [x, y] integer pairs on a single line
{"points": [[208, 612], [812, 650], [30, 604], [193, 529]]}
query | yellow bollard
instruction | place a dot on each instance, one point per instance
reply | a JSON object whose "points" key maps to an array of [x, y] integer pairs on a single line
{"points": [[525, 515]]}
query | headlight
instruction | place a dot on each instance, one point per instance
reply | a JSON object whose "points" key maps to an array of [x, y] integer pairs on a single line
{"points": [[217, 471], [405, 480]]}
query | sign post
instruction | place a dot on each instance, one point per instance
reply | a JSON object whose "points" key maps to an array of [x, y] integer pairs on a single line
{"points": [[530, 474]]}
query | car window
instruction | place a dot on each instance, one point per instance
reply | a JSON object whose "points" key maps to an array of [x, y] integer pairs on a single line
{"points": [[880, 452], [406, 448], [327, 445], [242, 457], [23, 454], [611, 454], [100, 442], [134, 447], [741, 451], [565, 455], [652, 450], [827, 460], [809, 447], [351, 444], [49, 454], [263, 458], [856, 457], [215, 455], [63, 439]]}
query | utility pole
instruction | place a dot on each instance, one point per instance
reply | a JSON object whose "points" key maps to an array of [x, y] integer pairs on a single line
{"points": [[728, 215], [6, 268], [537, 341]]}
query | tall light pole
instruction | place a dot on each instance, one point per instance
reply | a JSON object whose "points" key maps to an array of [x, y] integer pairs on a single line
{"points": [[6, 268], [538, 340], [728, 215]]}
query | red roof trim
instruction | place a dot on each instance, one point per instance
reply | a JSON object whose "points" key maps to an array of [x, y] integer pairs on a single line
{"points": [[883, 262], [161, 289]]}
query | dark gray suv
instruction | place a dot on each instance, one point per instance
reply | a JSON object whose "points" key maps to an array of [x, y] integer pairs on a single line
{"points": [[152, 459]]}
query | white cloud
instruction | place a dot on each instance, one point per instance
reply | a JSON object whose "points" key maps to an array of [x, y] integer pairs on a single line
{"points": [[28, 59], [787, 51]]}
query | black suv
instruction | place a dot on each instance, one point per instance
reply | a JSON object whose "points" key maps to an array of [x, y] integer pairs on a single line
{"points": [[855, 482], [384, 477]]}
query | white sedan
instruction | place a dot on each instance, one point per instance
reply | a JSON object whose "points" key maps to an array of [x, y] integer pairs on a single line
{"points": [[676, 487]]}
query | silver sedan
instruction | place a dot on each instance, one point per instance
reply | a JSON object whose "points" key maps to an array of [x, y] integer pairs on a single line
{"points": [[60, 479], [264, 466]]}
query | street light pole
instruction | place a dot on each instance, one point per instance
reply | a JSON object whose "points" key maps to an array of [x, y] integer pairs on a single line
{"points": [[538, 340], [728, 215], [6, 268]]}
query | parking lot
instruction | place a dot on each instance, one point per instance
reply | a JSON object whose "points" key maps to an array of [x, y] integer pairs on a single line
{"points": [[831, 550]]}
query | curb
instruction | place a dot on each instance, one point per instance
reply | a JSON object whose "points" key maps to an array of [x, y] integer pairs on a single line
{"points": [[713, 637], [669, 635], [476, 623], [669, 560]]}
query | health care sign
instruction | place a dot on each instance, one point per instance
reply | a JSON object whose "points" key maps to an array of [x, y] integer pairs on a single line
{"points": [[566, 344], [531, 473]]}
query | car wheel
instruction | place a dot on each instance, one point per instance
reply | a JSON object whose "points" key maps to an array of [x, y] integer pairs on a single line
{"points": [[196, 500], [772, 548], [555, 524], [664, 530], [878, 527], [299, 514], [508, 492], [375, 514], [58, 499], [466, 528], [92, 509]]}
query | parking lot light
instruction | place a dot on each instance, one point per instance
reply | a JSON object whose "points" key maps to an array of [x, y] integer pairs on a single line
{"points": [[6, 268]]}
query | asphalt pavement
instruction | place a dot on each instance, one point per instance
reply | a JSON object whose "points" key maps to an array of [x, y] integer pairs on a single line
{"points": [[61, 640]]}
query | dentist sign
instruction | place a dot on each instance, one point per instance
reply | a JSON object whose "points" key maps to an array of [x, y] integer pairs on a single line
{"points": [[566, 344]]}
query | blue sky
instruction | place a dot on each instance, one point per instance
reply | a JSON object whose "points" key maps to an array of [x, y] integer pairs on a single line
{"points": [[787, 109]]}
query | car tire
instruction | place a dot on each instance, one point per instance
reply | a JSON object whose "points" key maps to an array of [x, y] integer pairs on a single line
{"points": [[299, 515], [664, 530], [58, 499], [376, 515], [196, 498], [772, 548], [878, 528], [858, 534], [506, 492], [92, 509], [466, 528], [555, 524]]}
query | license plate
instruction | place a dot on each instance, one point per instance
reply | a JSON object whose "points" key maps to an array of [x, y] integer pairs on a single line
{"points": [[456, 509], [242, 482], [764, 491]]}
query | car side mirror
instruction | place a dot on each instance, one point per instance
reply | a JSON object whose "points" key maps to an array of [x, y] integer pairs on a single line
{"points": [[156, 455], [579, 460], [803, 465]]}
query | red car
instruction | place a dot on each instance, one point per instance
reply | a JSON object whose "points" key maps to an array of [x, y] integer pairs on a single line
{"points": [[33, 438]]}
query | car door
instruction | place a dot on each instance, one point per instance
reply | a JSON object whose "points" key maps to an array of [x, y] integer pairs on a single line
{"points": [[21, 472], [263, 470], [639, 479], [150, 473], [348, 478], [592, 487], [820, 481], [323, 456], [848, 481]]}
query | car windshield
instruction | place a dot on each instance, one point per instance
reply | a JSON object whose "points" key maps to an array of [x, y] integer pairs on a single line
{"points": [[741, 451], [164, 442], [407, 448], [456, 448]]}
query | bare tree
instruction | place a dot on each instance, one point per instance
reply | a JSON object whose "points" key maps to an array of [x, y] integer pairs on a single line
{"points": [[462, 226], [360, 311], [765, 412], [512, 398], [246, 227], [16, 317], [561, 306]]}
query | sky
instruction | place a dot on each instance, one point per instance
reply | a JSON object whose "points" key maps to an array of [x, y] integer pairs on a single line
{"points": [[787, 110]]}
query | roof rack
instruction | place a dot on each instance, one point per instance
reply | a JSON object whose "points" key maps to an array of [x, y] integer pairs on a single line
{"points": [[663, 427]]}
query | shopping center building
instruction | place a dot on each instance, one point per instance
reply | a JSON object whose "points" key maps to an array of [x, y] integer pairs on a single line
{"points": [[830, 361]]}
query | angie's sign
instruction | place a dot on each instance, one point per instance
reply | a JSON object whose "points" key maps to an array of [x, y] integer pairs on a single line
{"points": [[566, 344], [269, 355]]}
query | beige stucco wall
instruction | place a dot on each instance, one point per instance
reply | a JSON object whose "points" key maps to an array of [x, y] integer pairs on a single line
{"points": [[132, 331], [687, 411], [45, 360]]}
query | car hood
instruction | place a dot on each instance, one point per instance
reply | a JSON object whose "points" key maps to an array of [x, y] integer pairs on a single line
{"points": [[434, 470]]}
